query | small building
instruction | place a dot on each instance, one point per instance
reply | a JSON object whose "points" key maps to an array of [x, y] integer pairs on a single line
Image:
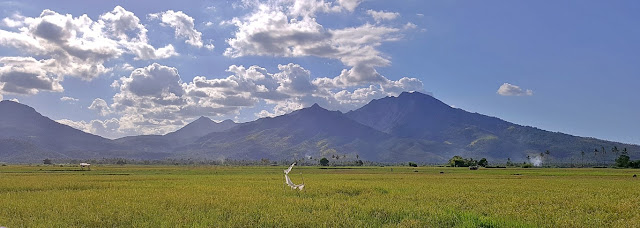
{"points": [[83, 165]]}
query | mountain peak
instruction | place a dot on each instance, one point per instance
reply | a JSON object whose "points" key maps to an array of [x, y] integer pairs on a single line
{"points": [[203, 118], [10, 102], [200, 127], [17, 109], [227, 121], [414, 94], [315, 108], [406, 93]]}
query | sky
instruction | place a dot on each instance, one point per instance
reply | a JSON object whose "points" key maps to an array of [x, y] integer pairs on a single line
{"points": [[118, 68]]}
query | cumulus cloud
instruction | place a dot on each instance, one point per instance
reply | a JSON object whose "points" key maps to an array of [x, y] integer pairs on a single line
{"points": [[149, 100], [127, 67], [380, 16], [513, 90], [108, 128], [291, 30], [155, 100], [209, 46], [69, 99], [125, 25], [152, 98], [100, 106], [183, 25], [28, 76], [349, 5], [61, 45]]}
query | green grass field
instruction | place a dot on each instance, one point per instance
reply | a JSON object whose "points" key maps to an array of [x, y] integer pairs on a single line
{"points": [[219, 196]]}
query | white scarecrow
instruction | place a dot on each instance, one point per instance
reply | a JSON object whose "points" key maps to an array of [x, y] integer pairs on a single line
{"points": [[288, 181]]}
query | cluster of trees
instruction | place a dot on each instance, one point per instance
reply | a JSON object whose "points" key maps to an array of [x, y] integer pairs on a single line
{"points": [[458, 161], [602, 152], [325, 162], [624, 161]]}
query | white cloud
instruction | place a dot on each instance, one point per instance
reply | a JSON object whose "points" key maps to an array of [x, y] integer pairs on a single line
{"points": [[380, 16], [291, 30], [281, 108], [513, 90], [80, 125], [100, 106], [155, 100], [349, 5], [69, 99], [69, 46], [29, 76], [15, 21], [183, 25], [125, 25], [209, 46], [127, 67], [151, 99], [108, 128], [410, 25]]}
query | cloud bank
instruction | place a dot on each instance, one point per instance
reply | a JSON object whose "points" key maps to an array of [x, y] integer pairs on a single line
{"points": [[153, 98]]}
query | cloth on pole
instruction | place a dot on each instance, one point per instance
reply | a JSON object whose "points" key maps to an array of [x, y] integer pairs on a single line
{"points": [[286, 171], [291, 184]]}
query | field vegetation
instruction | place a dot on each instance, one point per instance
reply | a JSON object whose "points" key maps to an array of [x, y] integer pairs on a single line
{"points": [[221, 196]]}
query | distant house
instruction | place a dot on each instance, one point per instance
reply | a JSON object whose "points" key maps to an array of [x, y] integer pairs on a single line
{"points": [[83, 165]]}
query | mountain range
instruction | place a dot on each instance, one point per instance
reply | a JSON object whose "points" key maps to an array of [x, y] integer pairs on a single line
{"points": [[410, 127]]}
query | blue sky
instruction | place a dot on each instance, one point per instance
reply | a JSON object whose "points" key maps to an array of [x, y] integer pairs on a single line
{"points": [[568, 66]]}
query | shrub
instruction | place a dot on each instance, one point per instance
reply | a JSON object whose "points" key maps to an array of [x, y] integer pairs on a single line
{"points": [[623, 161], [413, 164], [324, 162], [458, 161], [483, 162]]}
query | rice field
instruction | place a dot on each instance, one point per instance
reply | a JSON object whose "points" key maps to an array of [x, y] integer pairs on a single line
{"points": [[222, 196]]}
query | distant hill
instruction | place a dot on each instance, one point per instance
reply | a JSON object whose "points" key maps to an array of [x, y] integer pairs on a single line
{"points": [[27, 136], [420, 116], [311, 131], [198, 128], [169, 142], [411, 127]]}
